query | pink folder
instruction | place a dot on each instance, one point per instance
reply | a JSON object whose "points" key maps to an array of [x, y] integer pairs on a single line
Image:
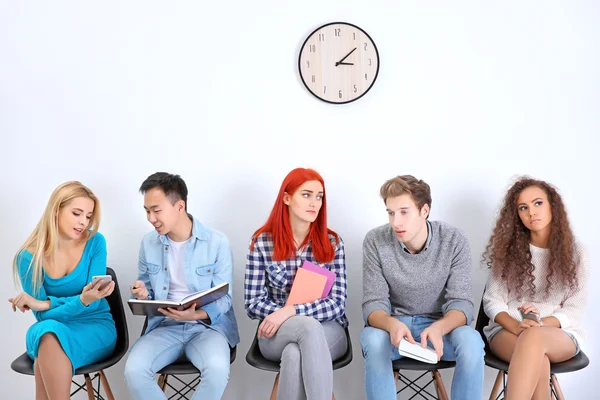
{"points": [[323, 271], [307, 287]]}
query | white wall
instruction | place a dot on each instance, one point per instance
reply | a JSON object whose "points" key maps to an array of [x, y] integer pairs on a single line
{"points": [[468, 96]]}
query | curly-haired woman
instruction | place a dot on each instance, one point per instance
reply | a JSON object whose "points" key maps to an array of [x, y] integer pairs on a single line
{"points": [[536, 291]]}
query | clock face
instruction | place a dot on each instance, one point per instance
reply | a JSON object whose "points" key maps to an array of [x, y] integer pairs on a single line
{"points": [[338, 63]]}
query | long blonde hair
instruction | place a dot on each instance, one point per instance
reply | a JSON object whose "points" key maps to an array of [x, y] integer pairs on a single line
{"points": [[43, 241]]}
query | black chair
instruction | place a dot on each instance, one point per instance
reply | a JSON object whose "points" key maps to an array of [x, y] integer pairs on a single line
{"points": [[576, 363], [24, 364], [255, 358], [408, 364], [182, 367]]}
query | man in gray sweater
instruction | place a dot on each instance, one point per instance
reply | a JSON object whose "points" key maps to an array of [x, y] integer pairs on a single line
{"points": [[417, 286]]}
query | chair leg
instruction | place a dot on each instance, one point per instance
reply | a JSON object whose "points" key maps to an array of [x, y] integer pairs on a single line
{"points": [[557, 389], [88, 387], [162, 381], [106, 386], [439, 385], [275, 387], [396, 377], [497, 385]]}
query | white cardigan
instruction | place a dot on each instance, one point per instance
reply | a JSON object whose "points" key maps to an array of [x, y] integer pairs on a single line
{"points": [[567, 306]]}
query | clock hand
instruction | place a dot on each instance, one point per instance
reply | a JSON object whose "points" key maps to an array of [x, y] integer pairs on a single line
{"points": [[343, 63], [340, 62]]}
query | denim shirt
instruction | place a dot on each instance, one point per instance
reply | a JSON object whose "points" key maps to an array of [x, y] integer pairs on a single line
{"points": [[207, 262]]}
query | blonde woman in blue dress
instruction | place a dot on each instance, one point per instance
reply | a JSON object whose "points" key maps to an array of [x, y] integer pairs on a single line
{"points": [[55, 266]]}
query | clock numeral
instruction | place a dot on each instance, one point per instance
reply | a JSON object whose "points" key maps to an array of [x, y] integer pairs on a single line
{"points": [[313, 79], [312, 48], [321, 37], [308, 64], [340, 94], [369, 62], [365, 46], [365, 77], [354, 35], [355, 89], [337, 32], [324, 89]]}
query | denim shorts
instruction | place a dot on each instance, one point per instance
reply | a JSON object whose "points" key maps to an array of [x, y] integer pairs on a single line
{"points": [[577, 348]]}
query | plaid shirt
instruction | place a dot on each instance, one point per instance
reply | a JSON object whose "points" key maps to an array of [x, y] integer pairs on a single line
{"points": [[268, 282]]}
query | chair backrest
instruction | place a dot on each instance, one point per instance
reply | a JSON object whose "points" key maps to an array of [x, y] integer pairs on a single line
{"points": [[118, 313], [347, 357], [482, 321]]}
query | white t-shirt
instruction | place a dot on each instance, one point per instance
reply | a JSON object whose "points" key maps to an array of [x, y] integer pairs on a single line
{"points": [[178, 286]]}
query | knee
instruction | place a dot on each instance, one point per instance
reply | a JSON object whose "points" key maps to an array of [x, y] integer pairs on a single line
{"points": [[374, 342], [136, 370], [531, 335], [468, 345], [308, 326], [215, 371], [131, 371], [48, 346]]}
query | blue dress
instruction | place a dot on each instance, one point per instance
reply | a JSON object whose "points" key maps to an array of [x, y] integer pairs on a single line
{"points": [[86, 334]]}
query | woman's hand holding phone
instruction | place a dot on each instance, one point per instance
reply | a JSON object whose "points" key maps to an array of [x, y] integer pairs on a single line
{"points": [[96, 291], [530, 317]]}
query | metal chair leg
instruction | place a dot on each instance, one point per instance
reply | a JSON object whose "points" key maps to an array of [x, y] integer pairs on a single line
{"points": [[557, 390]]}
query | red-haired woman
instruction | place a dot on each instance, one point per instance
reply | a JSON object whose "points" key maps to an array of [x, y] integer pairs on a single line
{"points": [[305, 338], [536, 291]]}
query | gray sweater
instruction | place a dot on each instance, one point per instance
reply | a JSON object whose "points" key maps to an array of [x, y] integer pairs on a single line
{"points": [[430, 283]]}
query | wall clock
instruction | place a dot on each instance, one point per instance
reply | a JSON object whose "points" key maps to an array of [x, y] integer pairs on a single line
{"points": [[338, 63]]}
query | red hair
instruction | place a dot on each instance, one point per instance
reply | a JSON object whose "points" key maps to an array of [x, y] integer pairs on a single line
{"points": [[279, 227]]}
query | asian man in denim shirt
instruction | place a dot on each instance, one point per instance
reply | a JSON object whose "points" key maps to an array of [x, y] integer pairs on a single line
{"points": [[178, 258]]}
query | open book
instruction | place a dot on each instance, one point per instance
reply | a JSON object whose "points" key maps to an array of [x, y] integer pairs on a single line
{"points": [[416, 352], [150, 307]]}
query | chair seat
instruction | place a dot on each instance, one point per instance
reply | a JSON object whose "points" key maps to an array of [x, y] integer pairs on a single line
{"points": [[576, 363], [580, 361], [184, 367], [414, 365], [24, 365]]}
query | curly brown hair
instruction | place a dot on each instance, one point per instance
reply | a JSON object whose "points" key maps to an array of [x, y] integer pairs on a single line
{"points": [[508, 254]]}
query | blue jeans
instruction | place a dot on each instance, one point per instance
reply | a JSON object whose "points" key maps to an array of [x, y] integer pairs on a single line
{"points": [[207, 349], [463, 345]]}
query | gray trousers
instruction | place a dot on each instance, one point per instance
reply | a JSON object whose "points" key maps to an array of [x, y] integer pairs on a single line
{"points": [[305, 348]]}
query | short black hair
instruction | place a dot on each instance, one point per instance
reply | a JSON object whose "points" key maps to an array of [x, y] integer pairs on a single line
{"points": [[172, 185]]}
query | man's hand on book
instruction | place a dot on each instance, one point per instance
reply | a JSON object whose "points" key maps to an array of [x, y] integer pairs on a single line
{"points": [[435, 335], [271, 324], [189, 314], [397, 331]]}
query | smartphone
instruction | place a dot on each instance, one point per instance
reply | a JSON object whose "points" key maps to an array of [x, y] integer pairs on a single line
{"points": [[532, 316], [106, 279]]}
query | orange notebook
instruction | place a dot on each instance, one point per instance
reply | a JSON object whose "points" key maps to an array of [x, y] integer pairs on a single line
{"points": [[307, 287]]}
